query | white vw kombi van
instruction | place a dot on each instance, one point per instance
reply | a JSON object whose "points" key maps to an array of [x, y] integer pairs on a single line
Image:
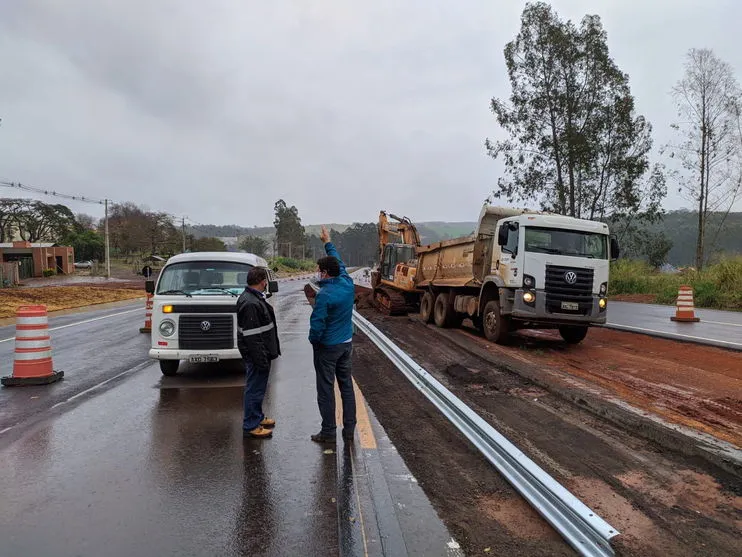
{"points": [[194, 314]]}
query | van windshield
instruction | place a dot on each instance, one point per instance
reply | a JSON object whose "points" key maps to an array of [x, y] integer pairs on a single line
{"points": [[559, 241], [203, 278]]}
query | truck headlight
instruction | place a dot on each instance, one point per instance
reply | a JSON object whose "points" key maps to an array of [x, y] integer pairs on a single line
{"points": [[603, 288], [167, 328], [529, 281], [602, 303], [529, 297]]}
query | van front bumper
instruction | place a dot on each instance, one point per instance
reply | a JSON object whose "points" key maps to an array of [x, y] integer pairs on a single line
{"points": [[176, 354]]}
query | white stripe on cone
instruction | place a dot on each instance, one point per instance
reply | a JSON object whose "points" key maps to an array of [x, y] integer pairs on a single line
{"points": [[21, 343], [32, 321], [30, 356]]}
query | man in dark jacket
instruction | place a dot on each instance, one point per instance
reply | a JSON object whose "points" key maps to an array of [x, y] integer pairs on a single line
{"points": [[331, 335], [257, 340]]}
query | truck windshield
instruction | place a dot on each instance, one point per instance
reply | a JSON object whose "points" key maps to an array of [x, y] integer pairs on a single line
{"points": [[203, 278], [558, 241]]}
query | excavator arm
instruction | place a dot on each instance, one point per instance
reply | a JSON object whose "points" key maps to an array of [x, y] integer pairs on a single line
{"points": [[403, 231]]}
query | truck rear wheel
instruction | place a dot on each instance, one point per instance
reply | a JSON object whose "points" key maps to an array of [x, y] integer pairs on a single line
{"points": [[427, 304], [573, 334], [496, 326], [444, 314], [169, 367]]}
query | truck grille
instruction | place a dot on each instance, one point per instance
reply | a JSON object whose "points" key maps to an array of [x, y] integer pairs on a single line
{"points": [[559, 290], [218, 334]]}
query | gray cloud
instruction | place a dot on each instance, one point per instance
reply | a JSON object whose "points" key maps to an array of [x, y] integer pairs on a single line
{"points": [[338, 107]]}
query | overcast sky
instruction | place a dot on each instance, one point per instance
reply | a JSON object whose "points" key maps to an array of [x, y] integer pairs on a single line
{"points": [[216, 110]]}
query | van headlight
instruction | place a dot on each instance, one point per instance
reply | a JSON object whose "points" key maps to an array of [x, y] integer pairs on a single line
{"points": [[603, 288], [529, 281], [167, 328]]}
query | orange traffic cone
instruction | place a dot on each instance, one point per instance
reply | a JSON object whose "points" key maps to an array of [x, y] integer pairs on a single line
{"points": [[147, 316], [33, 350], [684, 309]]}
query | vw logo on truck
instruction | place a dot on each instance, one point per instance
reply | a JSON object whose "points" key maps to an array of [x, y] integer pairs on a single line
{"points": [[570, 277], [205, 326]]}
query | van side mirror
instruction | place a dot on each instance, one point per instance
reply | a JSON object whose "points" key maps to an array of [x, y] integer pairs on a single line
{"points": [[615, 250], [149, 286], [273, 286]]}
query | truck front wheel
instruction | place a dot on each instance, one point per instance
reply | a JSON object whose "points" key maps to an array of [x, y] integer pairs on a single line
{"points": [[573, 334], [496, 326], [169, 367], [426, 307]]}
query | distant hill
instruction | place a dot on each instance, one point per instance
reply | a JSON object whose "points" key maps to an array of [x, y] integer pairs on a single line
{"points": [[679, 226]]}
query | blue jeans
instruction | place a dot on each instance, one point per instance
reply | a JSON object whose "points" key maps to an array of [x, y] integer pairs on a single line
{"points": [[255, 387], [331, 362]]}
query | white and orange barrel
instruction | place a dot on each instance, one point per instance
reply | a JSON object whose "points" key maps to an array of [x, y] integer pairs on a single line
{"points": [[685, 307], [33, 351], [147, 315]]}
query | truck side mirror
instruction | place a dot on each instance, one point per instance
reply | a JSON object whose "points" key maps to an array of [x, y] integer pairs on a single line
{"points": [[273, 286], [149, 286], [615, 250], [502, 235]]}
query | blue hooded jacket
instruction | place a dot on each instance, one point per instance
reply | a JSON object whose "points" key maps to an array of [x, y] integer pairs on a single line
{"points": [[331, 322]]}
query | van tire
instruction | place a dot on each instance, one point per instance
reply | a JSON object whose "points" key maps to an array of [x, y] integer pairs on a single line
{"points": [[169, 367]]}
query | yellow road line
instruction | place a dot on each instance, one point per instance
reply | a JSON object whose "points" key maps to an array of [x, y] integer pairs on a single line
{"points": [[363, 425]]}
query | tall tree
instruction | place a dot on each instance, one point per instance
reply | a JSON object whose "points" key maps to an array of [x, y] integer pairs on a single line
{"points": [[36, 221], [255, 245], [575, 143], [291, 238], [208, 244], [708, 97]]}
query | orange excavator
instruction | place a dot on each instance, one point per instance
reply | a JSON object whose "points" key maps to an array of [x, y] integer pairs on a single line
{"points": [[394, 281]]}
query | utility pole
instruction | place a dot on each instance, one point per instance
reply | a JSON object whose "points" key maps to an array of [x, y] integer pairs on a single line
{"points": [[108, 249], [184, 234]]}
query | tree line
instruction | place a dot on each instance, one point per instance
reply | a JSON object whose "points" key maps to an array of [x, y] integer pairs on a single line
{"points": [[576, 143]]}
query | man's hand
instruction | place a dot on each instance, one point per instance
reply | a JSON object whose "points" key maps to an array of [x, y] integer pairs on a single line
{"points": [[324, 235]]}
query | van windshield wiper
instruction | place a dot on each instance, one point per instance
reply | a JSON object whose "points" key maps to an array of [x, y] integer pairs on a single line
{"points": [[186, 294], [227, 290]]}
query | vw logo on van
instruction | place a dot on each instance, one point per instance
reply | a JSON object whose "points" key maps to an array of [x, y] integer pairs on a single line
{"points": [[205, 326], [570, 277]]}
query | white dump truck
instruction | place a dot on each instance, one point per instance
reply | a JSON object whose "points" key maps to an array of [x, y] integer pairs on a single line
{"points": [[518, 270], [194, 313]]}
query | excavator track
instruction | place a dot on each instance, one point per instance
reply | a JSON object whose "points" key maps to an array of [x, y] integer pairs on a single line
{"points": [[390, 302]]}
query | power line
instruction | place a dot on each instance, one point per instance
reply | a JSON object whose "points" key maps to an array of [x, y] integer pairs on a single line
{"points": [[44, 191]]}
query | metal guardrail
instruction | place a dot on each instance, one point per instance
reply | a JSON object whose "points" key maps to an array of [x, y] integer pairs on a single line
{"points": [[582, 528]]}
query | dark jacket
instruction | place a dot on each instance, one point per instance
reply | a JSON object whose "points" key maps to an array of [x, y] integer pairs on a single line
{"points": [[257, 335], [331, 322]]}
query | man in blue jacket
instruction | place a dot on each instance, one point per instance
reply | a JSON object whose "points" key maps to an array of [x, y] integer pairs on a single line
{"points": [[331, 335]]}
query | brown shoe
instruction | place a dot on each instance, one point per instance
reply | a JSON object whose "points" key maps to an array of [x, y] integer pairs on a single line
{"points": [[259, 432], [268, 422]]}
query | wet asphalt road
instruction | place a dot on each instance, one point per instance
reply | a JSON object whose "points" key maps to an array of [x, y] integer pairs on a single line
{"points": [[149, 465], [716, 328], [90, 347]]}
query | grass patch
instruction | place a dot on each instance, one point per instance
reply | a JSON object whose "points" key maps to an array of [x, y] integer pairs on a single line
{"points": [[288, 266], [718, 286], [62, 297]]}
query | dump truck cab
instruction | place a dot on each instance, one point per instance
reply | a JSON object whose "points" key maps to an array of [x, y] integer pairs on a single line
{"points": [[549, 271], [194, 313]]}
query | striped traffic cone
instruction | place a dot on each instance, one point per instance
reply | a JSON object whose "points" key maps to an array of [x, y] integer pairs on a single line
{"points": [[33, 350], [147, 316], [684, 308]]}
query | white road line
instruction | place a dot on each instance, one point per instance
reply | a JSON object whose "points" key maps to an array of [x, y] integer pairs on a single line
{"points": [[668, 333], [94, 387], [6, 430], [722, 323], [83, 322]]}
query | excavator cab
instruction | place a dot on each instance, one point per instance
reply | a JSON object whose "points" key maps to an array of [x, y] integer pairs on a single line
{"points": [[392, 255]]}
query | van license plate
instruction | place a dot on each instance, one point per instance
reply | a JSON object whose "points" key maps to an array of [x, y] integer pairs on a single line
{"points": [[203, 359], [570, 306]]}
